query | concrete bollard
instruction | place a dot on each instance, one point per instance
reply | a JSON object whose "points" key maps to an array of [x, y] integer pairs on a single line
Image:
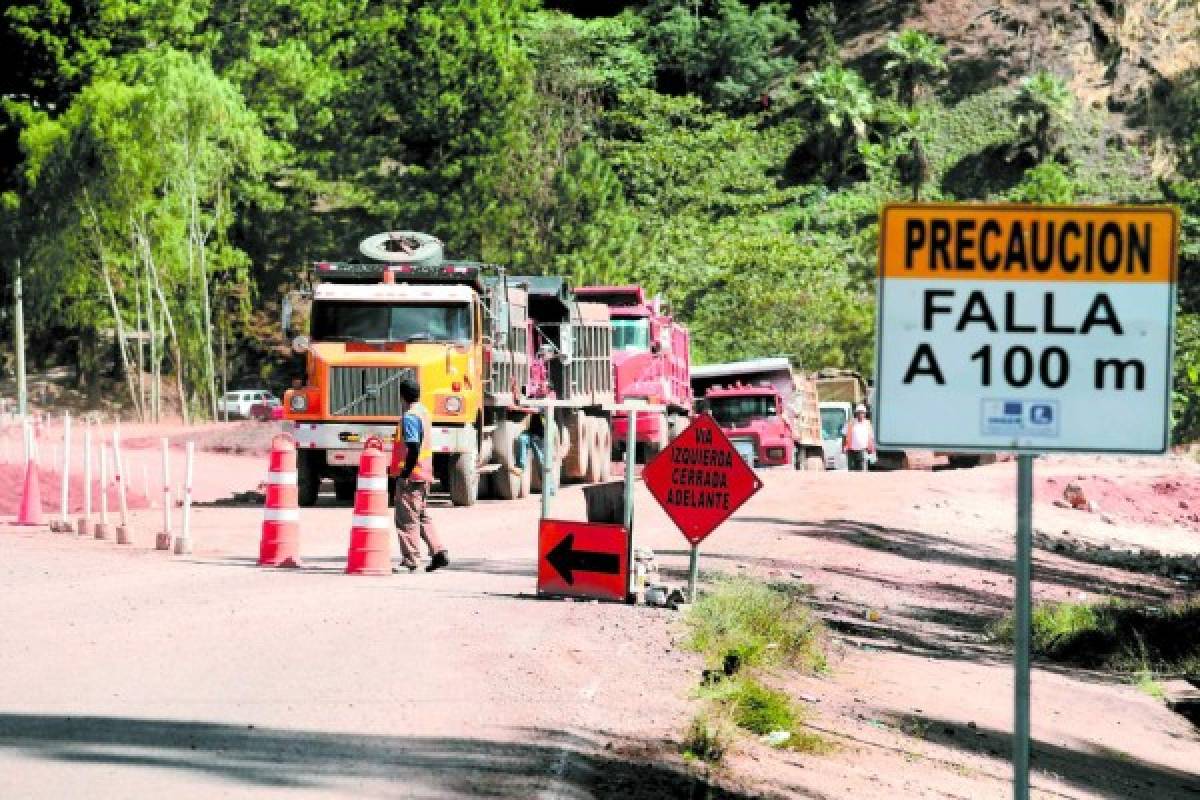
{"points": [[183, 544], [83, 528], [64, 518], [162, 541], [100, 531], [124, 532]]}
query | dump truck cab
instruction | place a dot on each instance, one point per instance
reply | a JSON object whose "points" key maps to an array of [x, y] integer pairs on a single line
{"points": [[651, 363], [423, 322], [766, 408]]}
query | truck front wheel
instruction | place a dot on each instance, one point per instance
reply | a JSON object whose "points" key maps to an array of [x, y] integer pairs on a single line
{"points": [[464, 480], [308, 476]]}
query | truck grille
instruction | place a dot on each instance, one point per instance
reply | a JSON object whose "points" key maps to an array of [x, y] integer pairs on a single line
{"points": [[747, 449], [366, 391]]}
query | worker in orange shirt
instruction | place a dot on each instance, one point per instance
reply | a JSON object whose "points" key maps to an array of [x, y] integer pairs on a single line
{"points": [[858, 439]]}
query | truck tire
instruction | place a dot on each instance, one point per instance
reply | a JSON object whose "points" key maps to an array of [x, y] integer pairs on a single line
{"points": [[577, 444], [344, 490], [597, 451], [423, 248], [504, 439], [463, 479], [308, 477], [604, 448]]}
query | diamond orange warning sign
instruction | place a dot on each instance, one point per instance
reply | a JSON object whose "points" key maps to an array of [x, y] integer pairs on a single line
{"points": [[700, 479]]}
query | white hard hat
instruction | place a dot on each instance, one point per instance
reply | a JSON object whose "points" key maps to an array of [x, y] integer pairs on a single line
{"points": [[860, 408]]}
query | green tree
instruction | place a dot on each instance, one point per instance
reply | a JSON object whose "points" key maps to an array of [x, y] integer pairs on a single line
{"points": [[1046, 183], [839, 105], [1044, 108], [914, 59], [126, 197], [822, 22], [731, 54]]}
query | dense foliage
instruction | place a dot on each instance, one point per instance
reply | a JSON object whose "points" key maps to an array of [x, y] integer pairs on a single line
{"points": [[174, 165]]}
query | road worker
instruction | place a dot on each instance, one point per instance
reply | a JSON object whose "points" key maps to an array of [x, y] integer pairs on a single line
{"points": [[858, 439], [413, 444]]}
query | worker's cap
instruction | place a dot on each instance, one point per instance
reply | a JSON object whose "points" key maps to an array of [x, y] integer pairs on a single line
{"points": [[860, 409]]}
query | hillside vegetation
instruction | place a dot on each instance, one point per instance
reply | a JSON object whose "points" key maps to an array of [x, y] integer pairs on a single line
{"points": [[175, 165]]}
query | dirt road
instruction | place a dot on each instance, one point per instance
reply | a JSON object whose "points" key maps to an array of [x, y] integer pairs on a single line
{"points": [[132, 673]]}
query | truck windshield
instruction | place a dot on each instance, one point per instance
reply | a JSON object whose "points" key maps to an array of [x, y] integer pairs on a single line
{"points": [[431, 322], [832, 422], [631, 334], [736, 412]]}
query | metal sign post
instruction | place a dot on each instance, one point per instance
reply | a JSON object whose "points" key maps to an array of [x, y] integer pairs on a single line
{"points": [[1022, 623], [547, 460], [630, 463]]}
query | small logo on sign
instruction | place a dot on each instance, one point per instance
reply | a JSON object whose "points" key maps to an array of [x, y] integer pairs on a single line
{"points": [[1019, 418], [1041, 414]]}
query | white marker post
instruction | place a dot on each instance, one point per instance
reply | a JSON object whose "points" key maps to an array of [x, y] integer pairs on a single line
{"points": [[1025, 329], [85, 521], [101, 530], [123, 532], [64, 519], [549, 473], [183, 544], [163, 540], [630, 477]]}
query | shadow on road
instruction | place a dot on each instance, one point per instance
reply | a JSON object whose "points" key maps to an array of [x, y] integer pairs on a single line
{"points": [[566, 765], [932, 548], [1099, 771]]}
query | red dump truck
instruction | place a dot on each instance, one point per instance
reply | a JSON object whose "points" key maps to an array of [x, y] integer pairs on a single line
{"points": [[768, 410], [651, 355]]}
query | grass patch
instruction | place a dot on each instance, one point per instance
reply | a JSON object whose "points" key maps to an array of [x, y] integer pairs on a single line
{"points": [[759, 709], [709, 737], [1145, 681], [1115, 635], [757, 625]]}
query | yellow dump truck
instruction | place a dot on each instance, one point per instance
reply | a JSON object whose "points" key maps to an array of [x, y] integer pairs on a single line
{"points": [[485, 348]]}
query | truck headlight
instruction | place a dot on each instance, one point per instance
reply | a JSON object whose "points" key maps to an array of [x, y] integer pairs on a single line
{"points": [[452, 404], [299, 403]]}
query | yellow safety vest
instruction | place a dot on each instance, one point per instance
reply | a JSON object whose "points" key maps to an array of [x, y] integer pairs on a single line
{"points": [[423, 471]]}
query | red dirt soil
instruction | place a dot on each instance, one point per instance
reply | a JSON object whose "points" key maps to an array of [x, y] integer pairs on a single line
{"points": [[12, 485], [1163, 500]]}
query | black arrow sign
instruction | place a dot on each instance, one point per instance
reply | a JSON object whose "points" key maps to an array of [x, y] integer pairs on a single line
{"points": [[566, 560]]}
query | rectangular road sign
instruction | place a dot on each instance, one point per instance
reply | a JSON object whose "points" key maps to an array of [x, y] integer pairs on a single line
{"points": [[1025, 328], [583, 559]]}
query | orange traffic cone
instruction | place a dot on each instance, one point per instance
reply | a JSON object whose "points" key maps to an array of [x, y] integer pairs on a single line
{"points": [[31, 498], [371, 529], [280, 545]]}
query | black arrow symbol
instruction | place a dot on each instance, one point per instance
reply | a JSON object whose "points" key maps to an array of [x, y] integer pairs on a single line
{"points": [[566, 560]]}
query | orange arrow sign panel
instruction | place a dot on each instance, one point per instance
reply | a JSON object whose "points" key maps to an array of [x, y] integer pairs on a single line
{"points": [[583, 559], [700, 479]]}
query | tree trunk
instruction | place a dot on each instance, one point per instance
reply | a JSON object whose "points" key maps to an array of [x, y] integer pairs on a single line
{"points": [[176, 354], [102, 256]]}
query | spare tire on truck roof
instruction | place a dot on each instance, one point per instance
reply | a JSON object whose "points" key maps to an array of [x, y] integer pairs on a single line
{"points": [[403, 247]]}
